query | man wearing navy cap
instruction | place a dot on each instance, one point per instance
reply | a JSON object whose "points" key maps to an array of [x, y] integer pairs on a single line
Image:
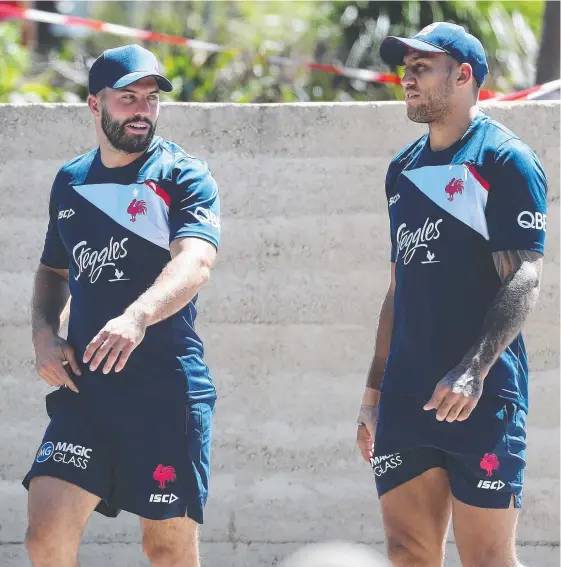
{"points": [[133, 231], [443, 415]]}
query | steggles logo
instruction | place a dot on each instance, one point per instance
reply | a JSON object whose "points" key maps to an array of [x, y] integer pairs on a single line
{"points": [[93, 261], [408, 242]]}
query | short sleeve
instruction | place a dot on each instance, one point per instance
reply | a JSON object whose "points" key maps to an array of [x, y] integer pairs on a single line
{"points": [[517, 201], [54, 253], [195, 205], [392, 199]]}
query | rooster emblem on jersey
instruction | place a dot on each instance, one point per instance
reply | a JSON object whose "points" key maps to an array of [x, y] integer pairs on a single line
{"points": [[136, 208], [489, 463], [455, 187], [164, 474]]}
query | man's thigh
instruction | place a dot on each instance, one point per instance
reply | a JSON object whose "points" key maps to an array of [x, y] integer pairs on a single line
{"points": [[485, 536], [415, 498], [58, 512], [487, 491], [176, 535]]}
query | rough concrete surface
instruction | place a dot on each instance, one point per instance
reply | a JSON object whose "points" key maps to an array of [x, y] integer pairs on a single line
{"points": [[288, 322]]}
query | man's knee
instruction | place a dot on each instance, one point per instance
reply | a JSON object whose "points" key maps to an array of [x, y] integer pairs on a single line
{"points": [[490, 557], [44, 548], [167, 543], [170, 552], [405, 551], [163, 554], [38, 546]]}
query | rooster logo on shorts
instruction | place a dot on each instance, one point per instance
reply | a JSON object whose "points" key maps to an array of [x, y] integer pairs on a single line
{"points": [[489, 463], [164, 474]]}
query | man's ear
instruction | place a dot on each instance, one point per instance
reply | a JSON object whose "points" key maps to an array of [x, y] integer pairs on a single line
{"points": [[464, 74], [94, 104]]}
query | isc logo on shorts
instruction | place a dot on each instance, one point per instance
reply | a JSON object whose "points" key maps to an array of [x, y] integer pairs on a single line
{"points": [[491, 485], [164, 498]]}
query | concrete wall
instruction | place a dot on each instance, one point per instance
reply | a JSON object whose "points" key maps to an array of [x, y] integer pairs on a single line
{"points": [[289, 321]]}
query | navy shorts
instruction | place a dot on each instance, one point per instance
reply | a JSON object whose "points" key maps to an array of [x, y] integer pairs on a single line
{"points": [[149, 455], [484, 456]]}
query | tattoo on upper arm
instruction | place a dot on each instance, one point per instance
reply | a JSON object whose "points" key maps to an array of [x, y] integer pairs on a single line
{"points": [[508, 262]]}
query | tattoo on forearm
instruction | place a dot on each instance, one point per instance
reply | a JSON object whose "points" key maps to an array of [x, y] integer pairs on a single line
{"points": [[519, 271]]}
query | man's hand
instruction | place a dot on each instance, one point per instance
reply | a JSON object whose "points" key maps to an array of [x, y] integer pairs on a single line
{"points": [[457, 393], [53, 356], [120, 336], [365, 440], [367, 420]]}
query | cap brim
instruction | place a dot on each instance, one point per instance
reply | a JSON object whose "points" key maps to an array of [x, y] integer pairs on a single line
{"points": [[163, 83], [393, 49]]}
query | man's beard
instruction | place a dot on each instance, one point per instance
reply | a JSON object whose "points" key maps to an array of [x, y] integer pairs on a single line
{"points": [[438, 106], [120, 139]]}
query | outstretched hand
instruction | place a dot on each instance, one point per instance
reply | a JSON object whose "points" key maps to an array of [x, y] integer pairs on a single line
{"points": [[120, 336]]}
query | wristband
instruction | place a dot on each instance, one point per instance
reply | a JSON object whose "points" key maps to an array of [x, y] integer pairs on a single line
{"points": [[368, 415]]}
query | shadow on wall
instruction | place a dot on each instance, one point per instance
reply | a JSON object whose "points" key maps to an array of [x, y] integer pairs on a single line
{"points": [[335, 554]]}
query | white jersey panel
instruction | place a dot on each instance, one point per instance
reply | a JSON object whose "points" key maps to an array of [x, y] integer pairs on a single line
{"points": [[141, 208]]}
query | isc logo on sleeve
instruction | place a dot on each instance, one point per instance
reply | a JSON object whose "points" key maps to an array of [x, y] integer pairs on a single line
{"points": [[66, 214]]}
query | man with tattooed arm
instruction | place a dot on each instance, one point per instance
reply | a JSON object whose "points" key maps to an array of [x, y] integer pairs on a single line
{"points": [[443, 414]]}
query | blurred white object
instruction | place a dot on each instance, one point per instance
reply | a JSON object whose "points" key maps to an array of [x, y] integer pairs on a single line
{"points": [[335, 554]]}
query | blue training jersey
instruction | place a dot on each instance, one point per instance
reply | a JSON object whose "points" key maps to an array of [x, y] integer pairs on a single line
{"points": [[449, 211], [112, 229]]}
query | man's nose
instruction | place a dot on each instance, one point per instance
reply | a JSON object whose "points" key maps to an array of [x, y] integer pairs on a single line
{"points": [[142, 106], [407, 80]]}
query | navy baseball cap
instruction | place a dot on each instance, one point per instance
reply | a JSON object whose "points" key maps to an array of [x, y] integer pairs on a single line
{"points": [[119, 67], [440, 37]]}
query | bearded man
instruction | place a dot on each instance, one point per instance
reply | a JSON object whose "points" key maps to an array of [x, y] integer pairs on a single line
{"points": [[134, 226]]}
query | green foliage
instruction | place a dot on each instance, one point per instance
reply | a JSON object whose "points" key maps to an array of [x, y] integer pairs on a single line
{"points": [[263, 36], [17, 83], [13, 63], [510, 32]]}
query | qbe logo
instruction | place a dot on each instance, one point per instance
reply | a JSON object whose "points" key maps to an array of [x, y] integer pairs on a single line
{"points": [[207, 217], [45, 452], [536, 220]]}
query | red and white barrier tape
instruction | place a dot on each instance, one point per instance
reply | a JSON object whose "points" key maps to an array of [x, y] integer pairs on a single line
{"points": [[10, 11], [532, 93]]}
